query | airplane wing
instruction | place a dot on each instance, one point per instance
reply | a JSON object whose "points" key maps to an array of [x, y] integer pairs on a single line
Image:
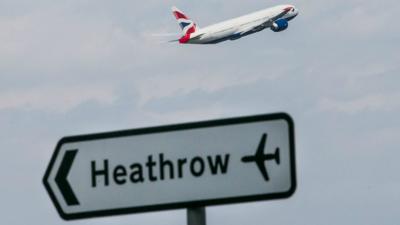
{"points": [[260, 24], [263, 169], [260, 157], [261, 146], [251, 27]]}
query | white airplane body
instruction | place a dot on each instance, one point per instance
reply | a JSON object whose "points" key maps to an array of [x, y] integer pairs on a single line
{"points": [[275, 18]]}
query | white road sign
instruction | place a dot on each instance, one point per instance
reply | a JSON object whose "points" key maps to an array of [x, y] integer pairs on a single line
{"points": [[177, 166]]}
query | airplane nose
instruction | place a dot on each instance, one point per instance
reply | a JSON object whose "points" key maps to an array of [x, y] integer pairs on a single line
{"points": [[292, 14], [295, 12], [287, 9]]}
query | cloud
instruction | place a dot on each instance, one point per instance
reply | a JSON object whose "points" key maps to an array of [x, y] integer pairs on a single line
{"points": [[179, 84], [370, 103], [56, 40], [57, 99]]}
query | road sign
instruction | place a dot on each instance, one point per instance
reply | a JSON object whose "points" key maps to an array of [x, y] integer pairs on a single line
{"points": [[177, 166]]}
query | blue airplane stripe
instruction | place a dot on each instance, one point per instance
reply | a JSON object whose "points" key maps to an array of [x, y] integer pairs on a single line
{"points": [[184, 24]]}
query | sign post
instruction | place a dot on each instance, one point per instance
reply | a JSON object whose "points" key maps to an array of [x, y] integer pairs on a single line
{"points": [[190, 165], [196, 216]]}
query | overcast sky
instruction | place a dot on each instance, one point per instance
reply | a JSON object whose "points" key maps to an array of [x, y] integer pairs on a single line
{"points": [[75, 67]]}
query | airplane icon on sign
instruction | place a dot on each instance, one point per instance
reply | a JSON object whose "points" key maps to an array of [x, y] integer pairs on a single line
{"points": [[260, 157]]}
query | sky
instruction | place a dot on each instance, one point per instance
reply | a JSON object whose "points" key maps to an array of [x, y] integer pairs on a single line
{"points": [[77, 67]]}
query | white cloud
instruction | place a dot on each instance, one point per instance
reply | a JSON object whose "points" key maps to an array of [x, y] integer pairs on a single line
{"points": [[373, 103], [168, 85], [56, 99], [59, 38]]}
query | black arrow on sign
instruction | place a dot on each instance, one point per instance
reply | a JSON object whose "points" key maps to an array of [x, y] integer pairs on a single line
{"points": [[61, 178]]}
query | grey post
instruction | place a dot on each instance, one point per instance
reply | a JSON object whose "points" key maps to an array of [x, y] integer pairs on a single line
{"points": [[196, 216]]}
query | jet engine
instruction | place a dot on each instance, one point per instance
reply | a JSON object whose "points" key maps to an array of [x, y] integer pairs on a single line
{"points": [[279, 25]]}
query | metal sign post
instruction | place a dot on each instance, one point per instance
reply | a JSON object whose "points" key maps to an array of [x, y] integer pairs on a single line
{"points": [[196, 216], [170, 167]]}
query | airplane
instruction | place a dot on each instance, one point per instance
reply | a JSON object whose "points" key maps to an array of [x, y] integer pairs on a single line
{"points": [[275, 18], [259, 158]]}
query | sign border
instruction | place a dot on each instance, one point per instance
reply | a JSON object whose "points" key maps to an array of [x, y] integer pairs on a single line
{"points": [[169, 128]]}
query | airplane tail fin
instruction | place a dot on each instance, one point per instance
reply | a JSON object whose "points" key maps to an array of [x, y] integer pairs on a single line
{"points": [[188, 26], [277, 157]]}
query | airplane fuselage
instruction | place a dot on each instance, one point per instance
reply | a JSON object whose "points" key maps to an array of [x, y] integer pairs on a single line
{"points": [[238, 27]]}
